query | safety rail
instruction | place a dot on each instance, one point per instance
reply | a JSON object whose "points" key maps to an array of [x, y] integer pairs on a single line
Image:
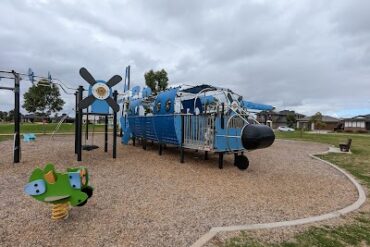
{"points": [[198, 131], [236, 122]]}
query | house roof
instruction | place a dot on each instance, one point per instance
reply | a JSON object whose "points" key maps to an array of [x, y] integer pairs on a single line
{"points": [[325, 119], [360, 117], [280, 113]]}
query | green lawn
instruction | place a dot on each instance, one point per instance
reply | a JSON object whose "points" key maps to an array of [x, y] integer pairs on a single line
{"points": [[353, 234], [44, 128]]}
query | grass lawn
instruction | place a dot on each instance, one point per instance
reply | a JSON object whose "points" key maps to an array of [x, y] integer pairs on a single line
{"points": [[358, 164], [44, 128]]}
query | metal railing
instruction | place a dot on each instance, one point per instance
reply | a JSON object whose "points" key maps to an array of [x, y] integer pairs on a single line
{"points": [[236, 122], [199, 131]]}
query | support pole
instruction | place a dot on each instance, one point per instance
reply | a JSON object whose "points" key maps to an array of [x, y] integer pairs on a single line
{"points": [[133, 140], [182, 153], [222, 115], [87, 124], [160, 148], [76, 119], [206, 155], [144, 143], [115, 94], [79, 135], [106, 133], [17, 120], [220, 160]]}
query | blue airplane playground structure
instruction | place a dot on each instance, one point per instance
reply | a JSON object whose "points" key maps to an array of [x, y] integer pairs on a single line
{"points": [[202, 117]]}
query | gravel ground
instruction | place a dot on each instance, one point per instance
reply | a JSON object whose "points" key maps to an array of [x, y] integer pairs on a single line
{"points": [[143, 199]]}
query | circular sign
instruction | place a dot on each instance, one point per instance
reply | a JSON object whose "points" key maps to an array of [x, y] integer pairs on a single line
{"points": [[100, 91]]}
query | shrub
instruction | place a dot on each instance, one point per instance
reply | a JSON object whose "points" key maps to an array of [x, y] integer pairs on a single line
{"points": [[362, 131]]}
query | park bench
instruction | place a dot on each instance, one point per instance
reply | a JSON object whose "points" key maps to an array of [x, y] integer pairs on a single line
{"points": [[344, 147], [27, 137]]}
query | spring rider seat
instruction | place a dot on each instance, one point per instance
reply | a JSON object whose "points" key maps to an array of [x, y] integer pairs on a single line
{"points": [[61, 190]]}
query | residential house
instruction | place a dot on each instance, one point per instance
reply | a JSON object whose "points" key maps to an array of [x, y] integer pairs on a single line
{"points": [[357, 124], [277, 119], [33, 118], [64, 117], [330, 123]]}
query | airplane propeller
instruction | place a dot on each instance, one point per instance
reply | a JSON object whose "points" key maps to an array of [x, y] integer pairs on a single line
{"points": [[99, 90]]}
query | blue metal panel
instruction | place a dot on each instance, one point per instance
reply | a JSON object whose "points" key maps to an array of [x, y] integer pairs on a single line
{"points": [[135, 90], [134, 106], [158, 128], [208, 99], [178, 128], [227, 140], [150, 131], [163, 98], [188, 106], [165, 129], [146, 92]]}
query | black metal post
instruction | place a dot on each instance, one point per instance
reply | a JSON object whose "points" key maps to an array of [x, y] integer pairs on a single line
{"points": [[87, 124], [76, 119], [220, 160], [206, 155], [222, 115], [182, 153], [144, 143], [17, 140], [144, 138], [133, 141], [115, 94], [160, 149], [106, 134], [79, 135]]}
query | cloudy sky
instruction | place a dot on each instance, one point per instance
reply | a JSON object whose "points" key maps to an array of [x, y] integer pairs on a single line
{"points": [[302, 55]]}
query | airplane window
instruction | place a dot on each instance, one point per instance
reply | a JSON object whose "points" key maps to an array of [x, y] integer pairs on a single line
{"points": [[168, 105], [158, 106]]}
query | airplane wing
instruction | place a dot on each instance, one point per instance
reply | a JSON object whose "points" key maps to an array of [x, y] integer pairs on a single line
{"points": [[257, 106]]}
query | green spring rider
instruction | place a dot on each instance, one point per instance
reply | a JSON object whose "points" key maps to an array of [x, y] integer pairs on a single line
{"points": [[61, 190]]}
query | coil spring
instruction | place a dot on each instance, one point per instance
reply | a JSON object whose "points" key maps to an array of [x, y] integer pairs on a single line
{"points": [[60, 211]]}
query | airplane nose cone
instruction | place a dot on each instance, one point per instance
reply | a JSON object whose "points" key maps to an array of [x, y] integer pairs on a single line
{"points": [[256, 136]]}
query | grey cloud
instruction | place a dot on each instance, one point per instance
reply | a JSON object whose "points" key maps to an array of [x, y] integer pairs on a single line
{"points": [[305, 55]]}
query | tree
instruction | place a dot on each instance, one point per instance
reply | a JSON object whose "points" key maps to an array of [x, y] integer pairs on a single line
{"points": [[317, 121], [10, 116], [150, 80], [162, 79], [43, 100], [291, 120], [156, 80], [3, 115]]}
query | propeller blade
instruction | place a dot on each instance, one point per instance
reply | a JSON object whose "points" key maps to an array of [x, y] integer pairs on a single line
{"points": [[87, 76], [113, 104], [86, 102], [114, 80]]}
